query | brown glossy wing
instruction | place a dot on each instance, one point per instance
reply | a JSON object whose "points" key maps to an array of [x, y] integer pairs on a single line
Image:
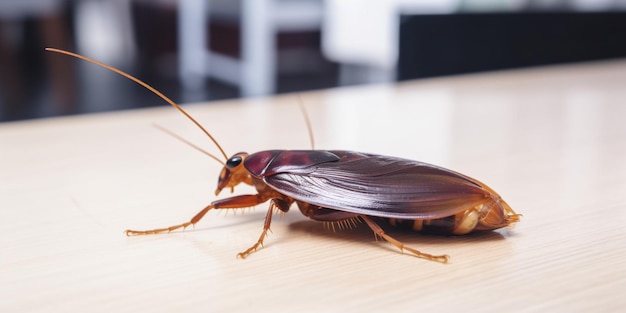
{"points": [[382, 186]]}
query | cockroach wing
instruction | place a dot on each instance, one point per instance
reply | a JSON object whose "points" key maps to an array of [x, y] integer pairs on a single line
{"points": [[379, 185]]}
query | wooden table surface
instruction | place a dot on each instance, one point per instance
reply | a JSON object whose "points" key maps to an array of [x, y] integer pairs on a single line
{"points": [[551, 141]]}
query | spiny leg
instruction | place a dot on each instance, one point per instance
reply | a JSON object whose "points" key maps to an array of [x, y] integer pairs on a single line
{"points": [[379, 232], [193, 221], [237, 202], [259, 243]]}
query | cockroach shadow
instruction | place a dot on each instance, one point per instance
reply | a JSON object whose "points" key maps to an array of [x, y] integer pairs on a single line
{"points": [[361, 233]]}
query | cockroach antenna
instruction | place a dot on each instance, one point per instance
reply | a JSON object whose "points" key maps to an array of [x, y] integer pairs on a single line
{"points": [[307, 120], [156, 92]]}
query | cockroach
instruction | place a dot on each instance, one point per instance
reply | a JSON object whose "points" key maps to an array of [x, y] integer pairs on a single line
{"points": [[345, 187]]}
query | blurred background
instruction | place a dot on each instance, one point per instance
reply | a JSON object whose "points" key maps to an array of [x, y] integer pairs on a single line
{"points": [[200, 50]]}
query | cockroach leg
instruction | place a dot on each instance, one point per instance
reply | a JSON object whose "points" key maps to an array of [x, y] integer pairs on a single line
{"points": [[381, 233], [237, 202], [193, 221], [259, 243]]}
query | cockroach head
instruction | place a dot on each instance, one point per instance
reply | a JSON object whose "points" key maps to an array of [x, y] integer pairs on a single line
{"points": [[233, 173]]}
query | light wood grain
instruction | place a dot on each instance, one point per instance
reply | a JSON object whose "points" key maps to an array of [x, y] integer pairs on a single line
{"points": [[551, 141]]}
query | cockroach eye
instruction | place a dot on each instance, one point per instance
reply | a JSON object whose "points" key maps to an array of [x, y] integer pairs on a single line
{"points": [[233, 162]]}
